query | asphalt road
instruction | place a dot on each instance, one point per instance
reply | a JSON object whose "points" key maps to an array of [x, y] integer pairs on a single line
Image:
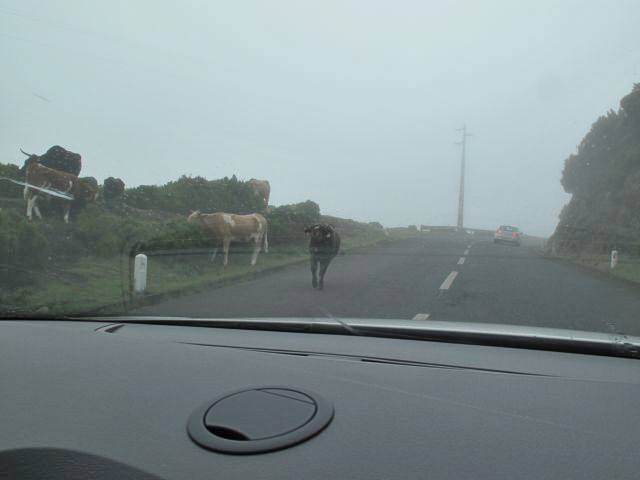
{"points": [[426, 277]]}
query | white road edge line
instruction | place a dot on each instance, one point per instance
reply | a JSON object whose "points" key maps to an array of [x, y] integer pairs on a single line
{"points": [[421, 316], [448, 281], [466, 252], [461, 261]]}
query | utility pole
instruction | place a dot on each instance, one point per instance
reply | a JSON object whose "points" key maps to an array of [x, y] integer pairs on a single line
{"points": [[463, 142]]}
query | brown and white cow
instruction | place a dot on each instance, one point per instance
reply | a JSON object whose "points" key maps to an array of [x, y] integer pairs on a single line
{"points": [[262, 188], [62, 182], [228, 227]]}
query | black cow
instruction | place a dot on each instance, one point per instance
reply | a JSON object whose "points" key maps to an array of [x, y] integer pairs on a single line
{"points": [[59, 159], [324, 244]]}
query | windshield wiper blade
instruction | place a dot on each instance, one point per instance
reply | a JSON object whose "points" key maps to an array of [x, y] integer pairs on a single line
{"points": [[302, 325], [489, 334]]}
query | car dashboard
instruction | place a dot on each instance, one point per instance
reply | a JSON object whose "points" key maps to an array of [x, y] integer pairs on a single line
{"points": [[114, 400]]}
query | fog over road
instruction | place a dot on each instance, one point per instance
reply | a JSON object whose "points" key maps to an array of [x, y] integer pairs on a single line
{"points": [[437, 276]]}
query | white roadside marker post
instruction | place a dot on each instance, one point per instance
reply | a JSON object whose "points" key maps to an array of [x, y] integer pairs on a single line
{"points": [[140, 274], [614, 258]]}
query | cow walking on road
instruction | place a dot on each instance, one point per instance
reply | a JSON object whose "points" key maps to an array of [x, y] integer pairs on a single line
{"points": [[228, 227], [324, 245]]}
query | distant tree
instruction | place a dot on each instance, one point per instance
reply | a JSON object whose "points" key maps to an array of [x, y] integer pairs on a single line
{"points": [[630, 105], [603, 177]]}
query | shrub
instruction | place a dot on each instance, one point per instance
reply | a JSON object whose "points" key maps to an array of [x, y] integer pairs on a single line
{"points": [[24, 249], [91, 181], [604, 178], [177, 235], [113, 189], [287, 223], [106, 234], [10, 189], [197, 193], [630, 104], [350, 228]]}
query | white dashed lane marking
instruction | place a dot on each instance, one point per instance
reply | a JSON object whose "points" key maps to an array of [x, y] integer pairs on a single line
{"points": [[461, 261], [448, 281], [422, 316], [466, 252]]}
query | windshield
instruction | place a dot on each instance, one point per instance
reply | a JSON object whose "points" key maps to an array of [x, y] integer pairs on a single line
{"points": [[336, 159]]}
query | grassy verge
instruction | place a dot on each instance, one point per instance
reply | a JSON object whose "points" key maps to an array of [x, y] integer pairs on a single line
{"points": [[79, 286], [94, 284], [628, 267]]}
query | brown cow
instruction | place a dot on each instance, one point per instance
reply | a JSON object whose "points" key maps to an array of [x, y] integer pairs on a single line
{"points": [[228, 227], [262, 188], [62, 182], [84, 191]]}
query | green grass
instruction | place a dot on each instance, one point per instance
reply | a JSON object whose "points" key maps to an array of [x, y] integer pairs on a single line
{"points": [[88, 283], [170, 275], [628, 267], [629, 270], [94, 284]]}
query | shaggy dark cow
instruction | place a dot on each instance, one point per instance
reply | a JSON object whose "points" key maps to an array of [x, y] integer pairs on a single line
{"points": [[324, 245], [59, 159]]}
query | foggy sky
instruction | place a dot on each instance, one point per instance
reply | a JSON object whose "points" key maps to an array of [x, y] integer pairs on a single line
{"points": [[353, 104]]}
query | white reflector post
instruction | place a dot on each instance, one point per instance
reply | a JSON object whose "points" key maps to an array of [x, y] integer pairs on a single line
{"points": [[140, 273], [614, 258]]}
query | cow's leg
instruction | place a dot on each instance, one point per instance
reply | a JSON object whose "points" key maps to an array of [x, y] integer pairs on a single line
{"points": [[67, 209], [324, 264], [35, 205], [256, 250], [314, 272], [32, 205], [225, 248], [30, 201], [214, 253]]}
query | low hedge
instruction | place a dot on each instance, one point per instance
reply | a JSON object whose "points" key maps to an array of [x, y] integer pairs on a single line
{"points": [[10, 189]]}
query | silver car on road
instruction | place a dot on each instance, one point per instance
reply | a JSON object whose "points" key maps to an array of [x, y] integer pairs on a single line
{"points": [[507, 234]]}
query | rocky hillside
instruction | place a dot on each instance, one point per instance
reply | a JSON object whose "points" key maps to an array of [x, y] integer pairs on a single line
{"points": [[603, 177]]}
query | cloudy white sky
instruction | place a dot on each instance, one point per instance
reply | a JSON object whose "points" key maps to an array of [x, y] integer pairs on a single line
{"points": [[353, 104]]}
